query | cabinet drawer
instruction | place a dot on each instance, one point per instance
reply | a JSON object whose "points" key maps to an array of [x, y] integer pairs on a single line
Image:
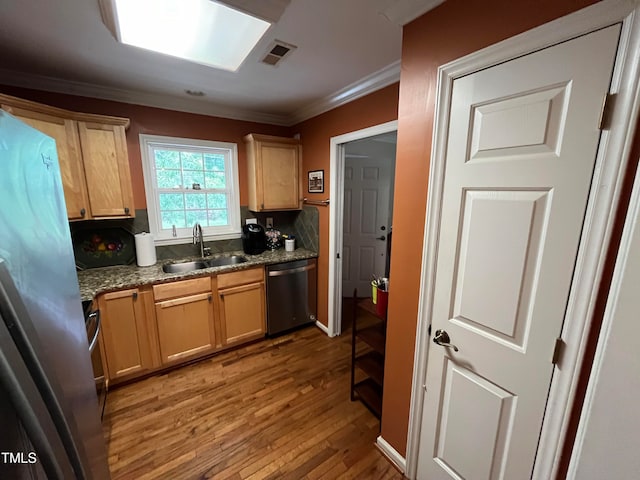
{"points": [[241, 277], [181, 288]]}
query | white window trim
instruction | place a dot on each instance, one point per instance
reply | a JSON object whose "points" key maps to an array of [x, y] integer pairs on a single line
{"points": [[153, 207]]}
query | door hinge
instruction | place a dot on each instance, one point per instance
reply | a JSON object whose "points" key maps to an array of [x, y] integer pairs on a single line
{"points": [[606, 114], [557, 351]]}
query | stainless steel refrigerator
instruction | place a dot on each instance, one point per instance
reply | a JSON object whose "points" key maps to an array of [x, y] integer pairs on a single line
{"points": [[49, 417]]}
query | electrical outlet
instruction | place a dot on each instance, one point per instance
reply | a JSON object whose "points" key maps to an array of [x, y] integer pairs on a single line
{"points": [[269, 222]]}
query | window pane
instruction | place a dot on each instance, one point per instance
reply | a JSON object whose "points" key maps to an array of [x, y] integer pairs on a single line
{"points": [[195, 201], [171, 201], [217, 200], [169, 178], [177, 164], [218, 218], [167, 159], [176, 217], [196, 216], [214, 162], [215, 180], [191, 161], [193, 176]]}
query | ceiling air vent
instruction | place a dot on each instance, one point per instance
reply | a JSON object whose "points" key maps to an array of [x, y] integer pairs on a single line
{"points": [[277, 52]]}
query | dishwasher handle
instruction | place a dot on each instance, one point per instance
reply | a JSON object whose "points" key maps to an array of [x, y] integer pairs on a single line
{"points": [[277, 273]]}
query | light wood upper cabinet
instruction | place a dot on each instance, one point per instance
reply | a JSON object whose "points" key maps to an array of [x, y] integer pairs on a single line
{"points": [[65, 133], [275, 173], [92, 152], [241, 306], [185, 322], [128, 333], [106, 167]]}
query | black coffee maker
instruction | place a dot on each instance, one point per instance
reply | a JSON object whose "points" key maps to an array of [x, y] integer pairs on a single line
{"points": [[254, 241]]}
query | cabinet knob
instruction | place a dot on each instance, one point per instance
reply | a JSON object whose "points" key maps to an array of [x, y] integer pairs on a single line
{"points": [[126, 210], [210, 298], [83, 212], [134, 295]]}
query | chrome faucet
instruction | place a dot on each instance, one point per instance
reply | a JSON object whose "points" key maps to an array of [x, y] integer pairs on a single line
{"points": [[197, 238]]}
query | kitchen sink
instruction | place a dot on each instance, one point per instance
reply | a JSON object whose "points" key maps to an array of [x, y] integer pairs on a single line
{"points": [[182, 267], [221, 261]]}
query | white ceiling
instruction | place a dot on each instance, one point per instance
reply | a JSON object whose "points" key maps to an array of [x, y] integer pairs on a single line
{"points": [[346, 49]]}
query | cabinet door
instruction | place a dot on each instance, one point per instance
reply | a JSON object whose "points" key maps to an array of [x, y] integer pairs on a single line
{"points": [[125, 336], [106, 166], [185, 327], [242, 313], [280, 169], [65, 132]]}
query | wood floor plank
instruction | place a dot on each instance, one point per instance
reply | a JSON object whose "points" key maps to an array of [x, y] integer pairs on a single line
{"points": [[276, 409]]}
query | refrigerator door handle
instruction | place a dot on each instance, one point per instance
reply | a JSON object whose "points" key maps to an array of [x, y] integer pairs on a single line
{"points": [[94, 341], [19, 386]]}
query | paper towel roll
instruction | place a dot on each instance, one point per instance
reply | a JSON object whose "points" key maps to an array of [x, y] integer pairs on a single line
{"points": [[145, 249]]}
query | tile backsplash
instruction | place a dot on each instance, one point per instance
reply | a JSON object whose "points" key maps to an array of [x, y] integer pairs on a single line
{"points": [[301, 223], [304, 224]]}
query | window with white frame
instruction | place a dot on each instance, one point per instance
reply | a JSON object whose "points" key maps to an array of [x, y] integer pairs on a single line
{"points": [[187, 182]]}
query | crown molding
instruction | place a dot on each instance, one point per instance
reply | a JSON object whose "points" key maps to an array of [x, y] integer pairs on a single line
{"points": [[405, 11], [70, 87], [369, 84]]}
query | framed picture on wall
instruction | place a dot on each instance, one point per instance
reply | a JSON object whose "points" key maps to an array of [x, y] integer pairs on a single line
{"points": [[316, 181]]}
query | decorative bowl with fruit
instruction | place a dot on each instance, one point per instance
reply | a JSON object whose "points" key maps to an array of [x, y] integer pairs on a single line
{"points": [[103, 247]]}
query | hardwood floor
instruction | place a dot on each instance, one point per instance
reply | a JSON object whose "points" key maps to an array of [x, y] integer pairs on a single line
{"points": [[277, 409]]}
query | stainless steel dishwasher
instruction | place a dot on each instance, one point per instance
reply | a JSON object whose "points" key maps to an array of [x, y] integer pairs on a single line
{"points": [[291, 295]]}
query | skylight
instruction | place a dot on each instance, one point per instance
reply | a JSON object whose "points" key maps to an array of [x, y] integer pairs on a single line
{"points": [[201, 31]]}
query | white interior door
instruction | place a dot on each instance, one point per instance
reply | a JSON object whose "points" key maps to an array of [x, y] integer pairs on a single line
{"points": [[521, 148], [367, 183], [609, 431]]}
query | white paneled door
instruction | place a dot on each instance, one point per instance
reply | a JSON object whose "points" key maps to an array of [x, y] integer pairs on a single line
{"points": [[367, 184], [521, 149]]}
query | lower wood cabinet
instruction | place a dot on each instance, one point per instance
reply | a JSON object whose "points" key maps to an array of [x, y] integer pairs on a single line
{"points": [[153, 327], [186, 322], [241, 305], [127, 333]]}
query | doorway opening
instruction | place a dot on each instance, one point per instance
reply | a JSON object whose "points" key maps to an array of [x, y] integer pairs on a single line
{"points": [[362, 175]]}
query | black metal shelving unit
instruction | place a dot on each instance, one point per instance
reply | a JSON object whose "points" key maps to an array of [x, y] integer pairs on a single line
{"points": [[367, 355]]}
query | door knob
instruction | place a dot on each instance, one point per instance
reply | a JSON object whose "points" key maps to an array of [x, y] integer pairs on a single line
{"points": [[381, 237], [442, 339]]}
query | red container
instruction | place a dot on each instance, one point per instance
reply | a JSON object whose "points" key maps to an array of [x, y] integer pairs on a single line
{"points": [[381, 304]]}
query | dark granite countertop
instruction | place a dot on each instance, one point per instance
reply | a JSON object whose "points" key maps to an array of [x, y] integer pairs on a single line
{"points": [[100, 280]]}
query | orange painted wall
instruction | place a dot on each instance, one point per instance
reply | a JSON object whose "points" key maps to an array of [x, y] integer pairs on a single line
{"points": [[374, 109], [452, 30], [158, 121]]}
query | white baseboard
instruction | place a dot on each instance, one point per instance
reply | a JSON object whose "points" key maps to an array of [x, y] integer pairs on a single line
{"points": [[323, 327], [392, 454]]}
